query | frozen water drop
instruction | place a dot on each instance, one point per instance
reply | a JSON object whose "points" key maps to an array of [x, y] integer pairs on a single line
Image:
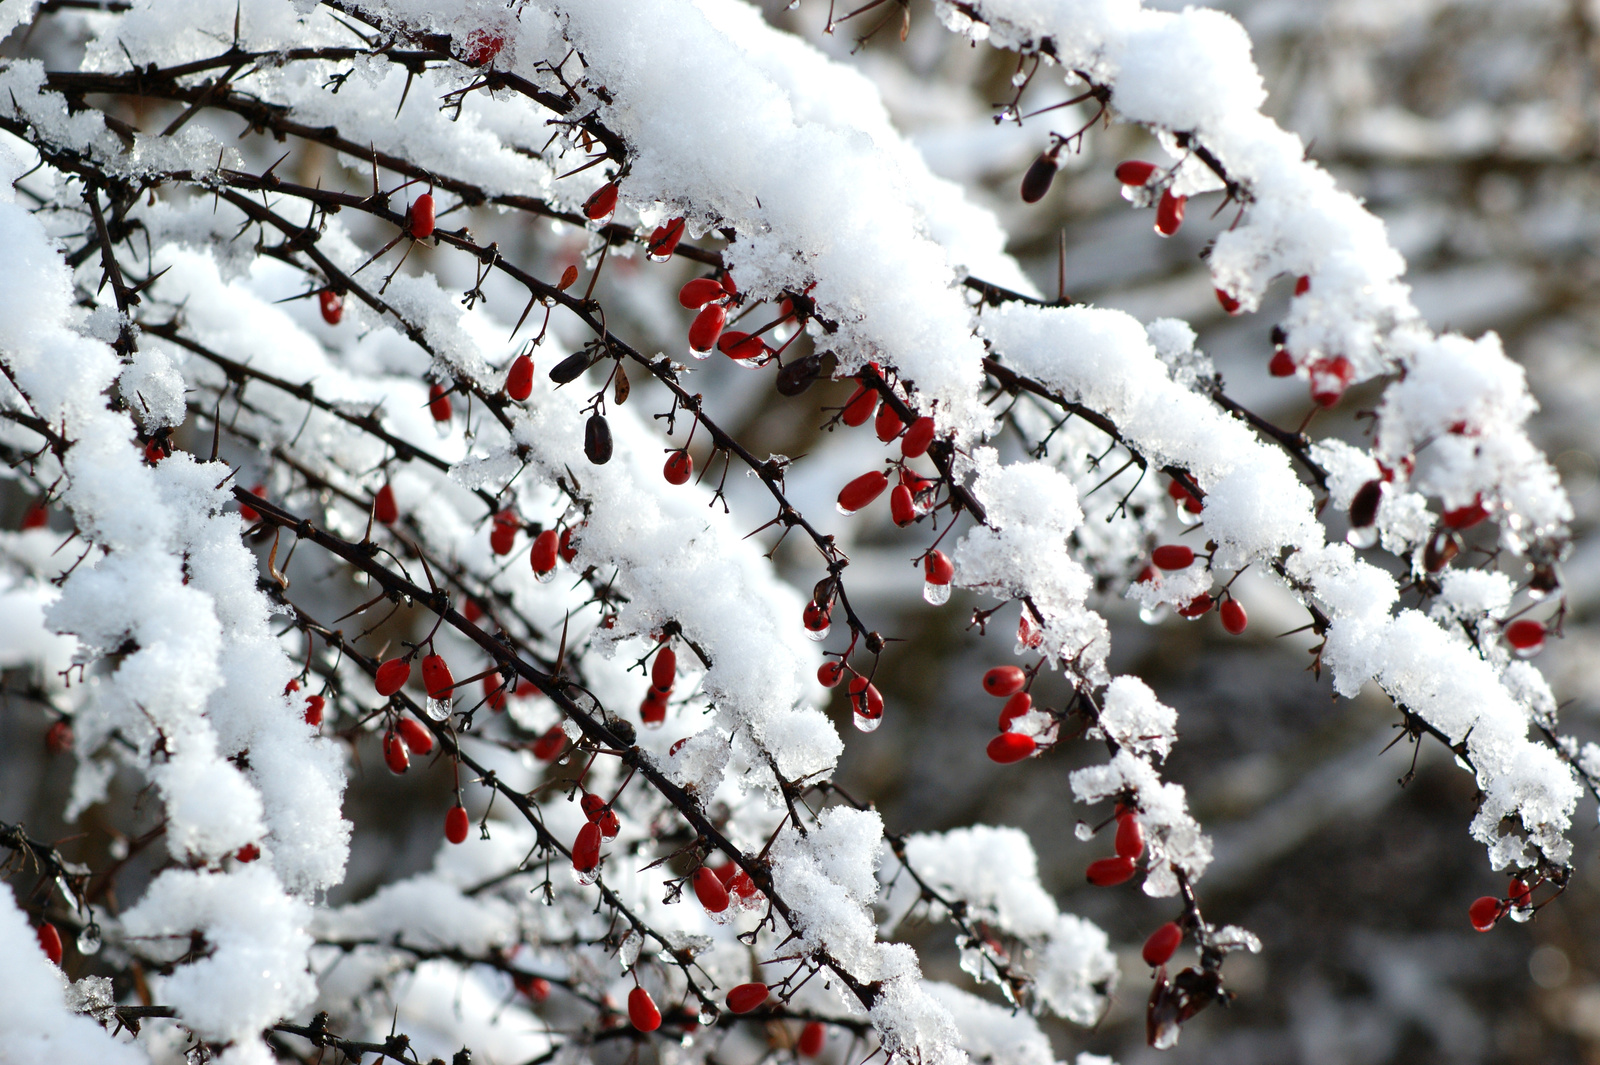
{"points": [[1362, 537], [544, 578], [1019, 78], [1153, 615], [438, 709], [1084, 831], [586, 879], [89, 939], [937, 594], [1186, 516], [819, 634], [868, 723], [708, 1013], [701, 355]]}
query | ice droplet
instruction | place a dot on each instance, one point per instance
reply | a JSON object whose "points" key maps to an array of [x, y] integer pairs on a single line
{"points": [[819, 634], [1084, 831], [1019, 78], [1153, 615], [439, 709], [1363, 537], [1186, 516], [708, 1013], [868, 723], [842, 509], [586, 879], [658, 258], [89, 939], [937, 594], [701, 355], [544, 578]]}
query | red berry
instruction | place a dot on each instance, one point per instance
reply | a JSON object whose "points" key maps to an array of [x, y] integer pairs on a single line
{"points": [[436, 678], [481, 47], [394, 753], [58, 737], [1234, 618], [811, 1039], [1172, 556], [1019, 704], [1485, 912], [456, 824], [1135, 172], [817, 617], [888, 424], [1466, 517], [679, 467], [1282, 364], [664, 241], [519, 379], [314, 708], [653, 710], [548, 748], [1162, 944], [1169, 213], [248, 513], [728, 286], [535, 987], [37, 517], [601, 202], [830, 673], [438, 403], [592, 806], [861, 405], [418, 738], [709, 890], [862, 491], [1525, 635], [707, 327], [1302, 284], [1109, 872], [917, 438], [699, 292], [746, 997], [1228, 302], [502, 539], [742, 347], [1518, 893], [865, 699], [332, 306], [586, 848], [1011, 747], [609, 824], [422, 217], [664, 670], [1329, 379], [384, 507], [472, 611], [154, 452], [50, 943], [247, 853], [1002, 681], [901, 507], [392, 676], [642, 1010], [1130, 836], [543, 555], [1197, 606], [937, 568], [1036, 182]]}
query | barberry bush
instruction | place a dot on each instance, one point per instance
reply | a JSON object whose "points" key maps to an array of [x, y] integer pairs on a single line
{"points": [[379, 438]]}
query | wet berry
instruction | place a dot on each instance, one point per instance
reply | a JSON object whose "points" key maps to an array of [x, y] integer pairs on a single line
{"points": [[1002, 681]]}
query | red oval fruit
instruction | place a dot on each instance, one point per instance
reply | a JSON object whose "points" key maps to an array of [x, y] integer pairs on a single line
{"points": [[901, 508], [601, 202], [1169, 213], [438, 403], [37, 517], [1011, 747], [1036, 181], [417, 737], [1518, 893], [917, 438], [456, 824], [394, 753], [743, 348], [1015, 707], [1329, 379], [503, 539], [247, 853], [519, 379], [664, 670], [1135, 172], [865, 699], [1109, 872], [1485, 912], [699, 292], [592, 806], [664, 241], [543, 555], [392, 676], [710, 891], [586, 848], [1466, 517], [1172, 556], [937, 568], [1234, 619], [1162, 944], [384, 507], [58, 737], [481, 47], [830, 673], [609, 824], [746, 997], [811, 1039], [707, 327], [888, 424], [1302, 284], [1002, 681], [861, 405], [535, 987], [314, 707], [1130, 836], [642, 1010], [436, 678], [50, 942], [653, 710], [1228, 302], [422, 217], [728, 286], [1525, 635], [564, 549], [862, 491], [679, 467], [1197, 606], [332, 306], [1282, 364], [548, 748], [817, 617]]}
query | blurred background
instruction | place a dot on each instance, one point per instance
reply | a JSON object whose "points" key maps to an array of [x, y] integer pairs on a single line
{"points": [[1471, 127]]}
